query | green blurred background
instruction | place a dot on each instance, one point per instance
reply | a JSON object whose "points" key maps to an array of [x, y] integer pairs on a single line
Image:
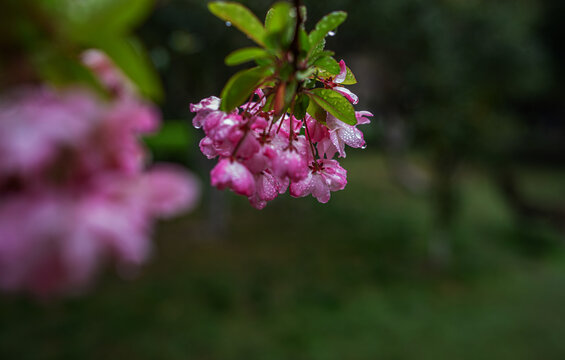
{"points": [[446, 244]]}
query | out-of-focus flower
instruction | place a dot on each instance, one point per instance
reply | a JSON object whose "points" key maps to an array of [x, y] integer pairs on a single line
{"points": [[74, 189]]}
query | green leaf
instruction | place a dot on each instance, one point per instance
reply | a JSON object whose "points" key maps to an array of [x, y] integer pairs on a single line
{"points": [[241, 17], [349, 78], [304, 40], [240, 86], [305, 74], [317, 49], [86, 19], [60, 70], [327, 24], [328, 64], [334, 103], [277, 17], [309, 84], [320, 54], [317, 112], [279, 26], [300, 105], [130, 57], [241, 56]]}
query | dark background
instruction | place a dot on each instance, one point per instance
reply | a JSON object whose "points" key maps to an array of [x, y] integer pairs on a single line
{"points": [[446, 243]]}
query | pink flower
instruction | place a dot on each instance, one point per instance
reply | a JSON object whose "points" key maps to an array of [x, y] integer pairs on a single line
{"points": [[111, 77], [207, 147], [325, 176], [290, 164], [261, 160], [169, 190], [318, 132], [36, 124], [234, 175], [260, 154], [74, 189], [30, 226], [342, 134], [203, 109], [362, 117], [249, 146], [267, 188], [225, 130]]}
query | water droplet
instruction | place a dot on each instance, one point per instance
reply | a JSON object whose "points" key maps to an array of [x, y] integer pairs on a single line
{"points": [[228, 24], [331, 33], [364, 146]]}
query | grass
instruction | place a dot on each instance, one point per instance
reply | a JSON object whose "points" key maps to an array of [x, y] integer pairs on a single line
{"points": [[300, 280]]}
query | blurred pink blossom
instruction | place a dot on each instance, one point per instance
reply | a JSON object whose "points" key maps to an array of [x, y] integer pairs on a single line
{"points": [[75, 191]]}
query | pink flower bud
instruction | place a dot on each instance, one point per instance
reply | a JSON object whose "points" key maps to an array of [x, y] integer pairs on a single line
{"points": [[234, 175]]}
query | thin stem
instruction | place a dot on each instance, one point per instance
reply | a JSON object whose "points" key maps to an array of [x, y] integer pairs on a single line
{"points": [[258, 102], [249, 101], [234, 152], [270, 127], [291, 130], [314, 153], [281, 118]]}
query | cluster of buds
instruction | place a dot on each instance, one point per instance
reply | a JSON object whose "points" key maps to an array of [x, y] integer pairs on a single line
{"points": [[74, 187], [261, 155], [279, 125]]}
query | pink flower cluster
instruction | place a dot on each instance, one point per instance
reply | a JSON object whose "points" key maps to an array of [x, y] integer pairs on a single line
{"points": [[261, 156], [74, 191]]}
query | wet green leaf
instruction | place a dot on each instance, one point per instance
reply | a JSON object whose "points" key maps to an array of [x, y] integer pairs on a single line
{"points": [[240, 17], [324, 26], [240, 86], [241, 56], [277, 17], [279, 26], [328, 64], [88, 18], [300, 105], [349, 78], [304, 41], [317, 112], [334, 103], [61, 70]]}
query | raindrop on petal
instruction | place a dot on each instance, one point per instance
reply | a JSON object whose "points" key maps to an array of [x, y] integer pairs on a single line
{"points": [[364, 146]]}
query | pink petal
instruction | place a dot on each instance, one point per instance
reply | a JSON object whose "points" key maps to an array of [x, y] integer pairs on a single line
{"points": [[362, 117], [291, 164], [320, 189], [354, 99], [207, 147], [233, 175], [342, 74], [170, 190], [203, 109]]}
